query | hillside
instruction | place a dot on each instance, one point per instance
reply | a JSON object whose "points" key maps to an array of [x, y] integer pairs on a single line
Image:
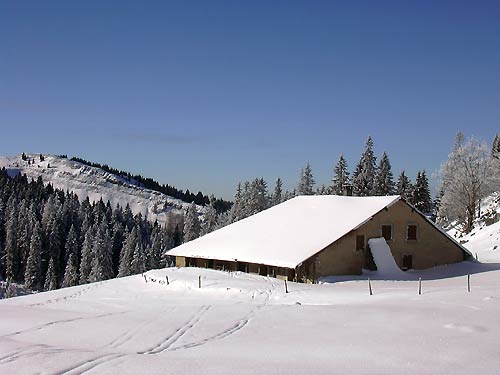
{"points": [[96, 184], [163, 323], [484, 239]]}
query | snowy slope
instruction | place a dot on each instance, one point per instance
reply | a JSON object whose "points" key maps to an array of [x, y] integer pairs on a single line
{"points": [[238, 323], [484, 239], [94, 183], [247, 324]]}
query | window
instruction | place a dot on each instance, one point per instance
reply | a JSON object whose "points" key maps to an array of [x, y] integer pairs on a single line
{"points": [[360, 242], [411, 232], [387, 232]]}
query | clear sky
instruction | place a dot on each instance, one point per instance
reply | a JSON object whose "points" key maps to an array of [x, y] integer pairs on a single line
{"points": [[203, 94]]}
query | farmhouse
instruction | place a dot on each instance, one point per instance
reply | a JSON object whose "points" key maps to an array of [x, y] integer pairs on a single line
{"points": [[308, 237]]}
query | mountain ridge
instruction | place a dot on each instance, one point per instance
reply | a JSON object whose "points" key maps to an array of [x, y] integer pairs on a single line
{"points": [[95, 183]]}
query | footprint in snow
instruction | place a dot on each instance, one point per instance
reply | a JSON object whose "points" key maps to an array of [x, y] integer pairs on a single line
{"points": [[488, 298]]}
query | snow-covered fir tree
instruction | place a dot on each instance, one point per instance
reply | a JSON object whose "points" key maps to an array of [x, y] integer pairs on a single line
{"points": [[11, 253], [192, 226], [71, 272], [323, 190], [340, 177], [258, 199], [33, 272], [364, 174], [71, 246], [277, 196], [138, 260], [306, 181], [495, 147], [127, 253], [245, 200], [236, 210], [384, 180], [51, 277], [210, 221], [421, 194], [102, 267], [87, 255], [404, 187]]}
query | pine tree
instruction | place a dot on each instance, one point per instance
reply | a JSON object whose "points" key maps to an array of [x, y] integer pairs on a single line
{"points": [[277, 197], [51, 277], [192, 225], [236, 210], [117, 244], [210, 221], [421, 194], [11, 253], [138, 260], [258, 197], [340, 177], [306, 181], [127, 253], [71, 246], [71, 272], [87, 255], [404, 187], [495, 148], [364, 175], [322, 190], [245, 201], [33, 272], [102, 267], [384, 181], [154, 251]]}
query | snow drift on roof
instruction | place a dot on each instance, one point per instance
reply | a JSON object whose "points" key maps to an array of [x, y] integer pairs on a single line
{"points": [[287, 234]]}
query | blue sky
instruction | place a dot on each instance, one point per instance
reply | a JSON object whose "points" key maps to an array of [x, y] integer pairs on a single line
{"points": [[204, 94]]}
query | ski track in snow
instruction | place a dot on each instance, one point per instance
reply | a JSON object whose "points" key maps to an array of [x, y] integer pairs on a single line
{"points": [[67, 297], [179, 332], [45, 325], [133, 334], [166, 345], [240, 324], [90, 364]]}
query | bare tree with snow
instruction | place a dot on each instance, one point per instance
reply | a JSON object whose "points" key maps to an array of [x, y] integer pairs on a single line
{"points": [[469, 175]]}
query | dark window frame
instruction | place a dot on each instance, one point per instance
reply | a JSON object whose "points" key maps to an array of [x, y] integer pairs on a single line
{"points": [[408, 232], [382, 231]]}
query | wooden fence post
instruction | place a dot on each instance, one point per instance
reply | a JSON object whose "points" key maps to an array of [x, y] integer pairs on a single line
{"points": [[166, 276], [370, 287], [286, 287], [468, 283], [419, 286], [199, 282]]}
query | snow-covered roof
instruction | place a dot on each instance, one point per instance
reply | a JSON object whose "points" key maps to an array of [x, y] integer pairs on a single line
{"points": [[287, 234]]}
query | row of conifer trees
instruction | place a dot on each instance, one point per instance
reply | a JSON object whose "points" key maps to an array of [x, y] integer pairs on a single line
{"points": [[49, 238], [369, 178]]}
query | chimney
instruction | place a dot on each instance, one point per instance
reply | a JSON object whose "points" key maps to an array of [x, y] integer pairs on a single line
{"points": [[348, 190]]}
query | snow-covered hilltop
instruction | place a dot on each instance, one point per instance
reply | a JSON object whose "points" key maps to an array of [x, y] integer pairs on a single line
{"points": [[96, 184]]}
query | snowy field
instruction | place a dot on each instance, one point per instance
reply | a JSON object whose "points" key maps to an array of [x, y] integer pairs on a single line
{"points": [[239, 323]]}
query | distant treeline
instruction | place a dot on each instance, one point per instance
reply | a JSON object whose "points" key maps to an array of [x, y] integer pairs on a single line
{"points": [[219, 204], [50, 239]]}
